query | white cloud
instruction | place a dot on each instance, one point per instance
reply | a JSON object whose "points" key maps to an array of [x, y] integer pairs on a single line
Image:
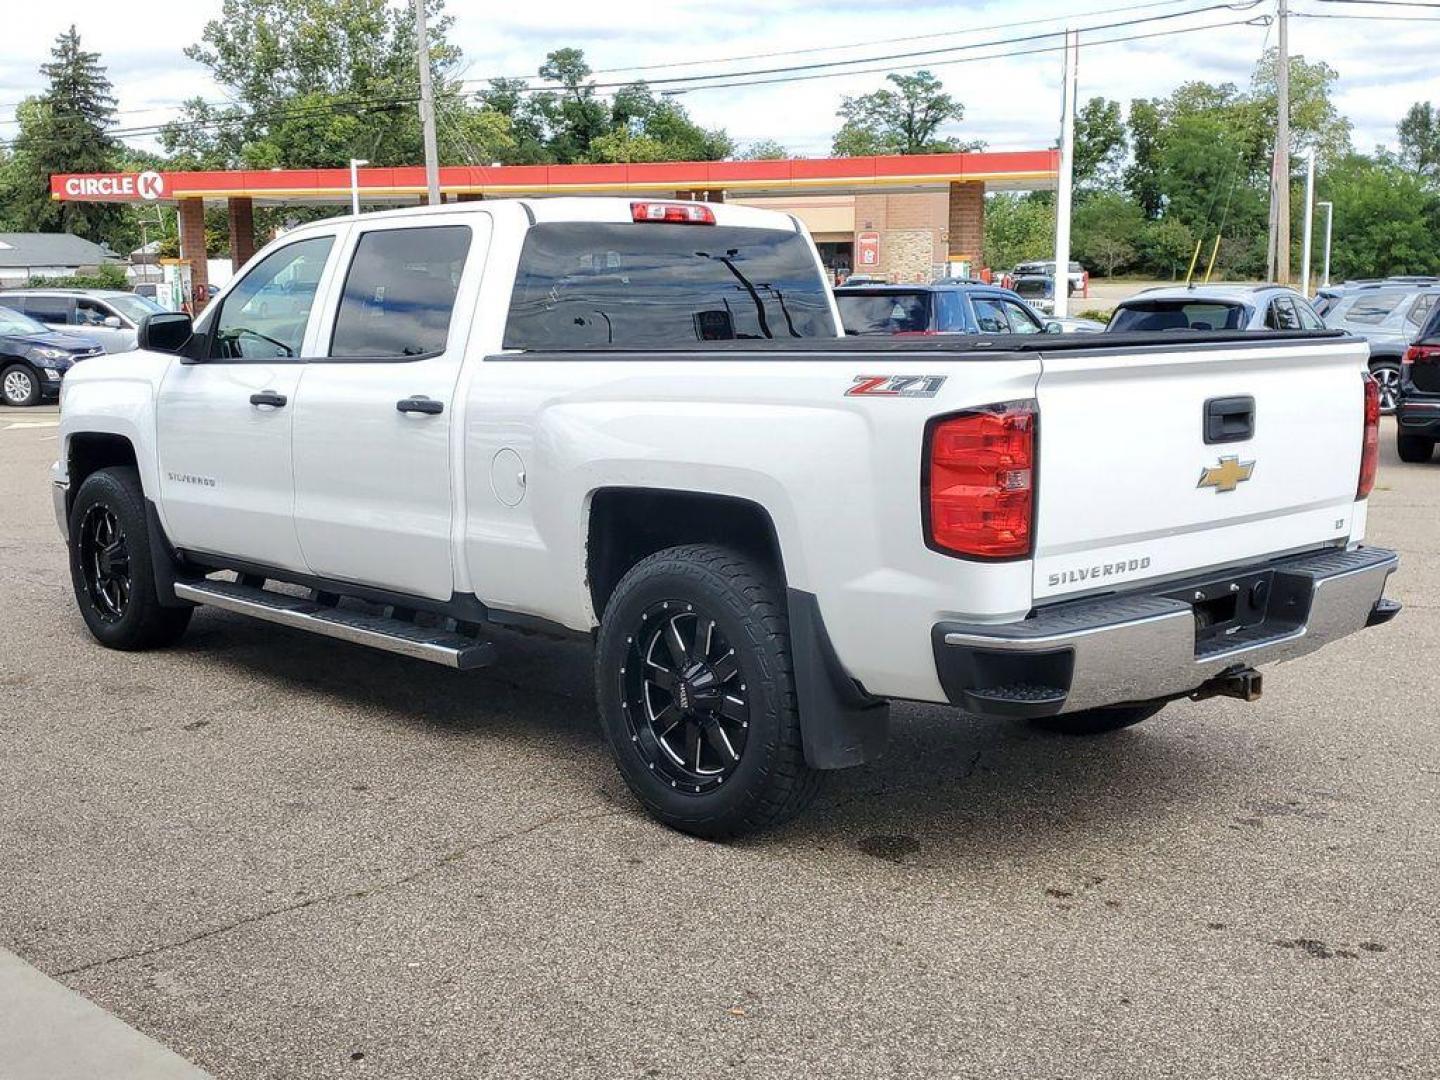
{"points": [[1011, 102]]}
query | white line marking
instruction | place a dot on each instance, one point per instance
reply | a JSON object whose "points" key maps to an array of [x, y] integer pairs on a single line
{"points": [[32, 424]]}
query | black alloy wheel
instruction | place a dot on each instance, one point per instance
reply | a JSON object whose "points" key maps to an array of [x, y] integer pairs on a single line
{"points": [[685, 702], [105, 563]]}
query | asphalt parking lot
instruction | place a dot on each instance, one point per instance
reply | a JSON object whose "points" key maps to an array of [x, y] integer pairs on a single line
{"points": [[287, 857]]}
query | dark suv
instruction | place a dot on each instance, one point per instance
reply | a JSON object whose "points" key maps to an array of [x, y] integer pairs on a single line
{"points": [[1417, 409], [935, 309]]}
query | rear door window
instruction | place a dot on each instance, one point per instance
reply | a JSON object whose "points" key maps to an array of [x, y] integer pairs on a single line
{"points": [[1420, 309], [950, 312], [592, 284], [1280, 315], [50, 309], [884, 312], [399, 293]]}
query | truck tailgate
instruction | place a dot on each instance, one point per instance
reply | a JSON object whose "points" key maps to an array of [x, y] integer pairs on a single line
{"points": [[1129, 488]]}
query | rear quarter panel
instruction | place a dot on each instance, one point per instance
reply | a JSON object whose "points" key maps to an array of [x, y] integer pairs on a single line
{"points": [[838, 475]]}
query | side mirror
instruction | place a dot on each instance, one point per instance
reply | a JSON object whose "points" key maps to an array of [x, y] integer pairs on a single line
{"points": [[111, 321], [1053, 327], [168, 331]]}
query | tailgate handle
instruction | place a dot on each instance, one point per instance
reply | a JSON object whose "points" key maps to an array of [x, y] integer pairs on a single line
{"points": [[1229, 419]]}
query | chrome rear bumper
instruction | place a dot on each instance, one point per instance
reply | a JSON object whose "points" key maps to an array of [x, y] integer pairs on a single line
{"points": [[1143, 646]]}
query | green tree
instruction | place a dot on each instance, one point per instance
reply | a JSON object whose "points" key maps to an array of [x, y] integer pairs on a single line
{"points": [[1018, 228], [63, 130], [1419, 135], [317, 82], [1167, 246], [1142, 176], [573, 123], [1315, 121], [1100, 144], [1106, 230], [765, 150], [1387, 219], [905, 120]]}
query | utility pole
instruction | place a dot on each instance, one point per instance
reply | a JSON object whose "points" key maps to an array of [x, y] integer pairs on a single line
{"points": [[1061, 282], [1309, 216], [427, 107], [1280, 170]]}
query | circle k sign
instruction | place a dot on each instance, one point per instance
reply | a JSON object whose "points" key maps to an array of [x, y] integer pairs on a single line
{"points": [[147, 185]]}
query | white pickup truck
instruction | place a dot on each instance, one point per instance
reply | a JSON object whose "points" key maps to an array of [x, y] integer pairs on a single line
{"points": [[637, 422]]}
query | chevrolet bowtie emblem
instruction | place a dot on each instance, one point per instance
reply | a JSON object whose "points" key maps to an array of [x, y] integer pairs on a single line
{"points": [[1228, 475]]}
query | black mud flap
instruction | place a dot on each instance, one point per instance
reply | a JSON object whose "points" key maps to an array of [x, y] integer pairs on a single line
{"points": [[840, 724]]}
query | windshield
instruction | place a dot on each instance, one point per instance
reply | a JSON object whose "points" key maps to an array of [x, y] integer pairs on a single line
{"points": [[133, 307], [12, 322], [642, 285], [884, 312], [1179, 315]]}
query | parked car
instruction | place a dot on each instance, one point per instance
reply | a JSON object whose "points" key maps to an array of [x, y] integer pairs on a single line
{"points": [[934, 309], [637, 423], [1388, 316], [109, 316], [1417, 407], [34, 358], [1038, 290], [1216, 307], [1047, 269]]}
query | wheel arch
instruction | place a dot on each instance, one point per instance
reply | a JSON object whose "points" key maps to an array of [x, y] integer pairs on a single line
{"points": [[626, 524], [87, 452], [840, 724]]}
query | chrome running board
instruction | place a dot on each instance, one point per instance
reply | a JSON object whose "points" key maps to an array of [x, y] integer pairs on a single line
{"points": [[439, 646]]}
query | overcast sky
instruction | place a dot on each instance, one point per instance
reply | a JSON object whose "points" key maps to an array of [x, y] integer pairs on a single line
{"points": [[1011, 103]]}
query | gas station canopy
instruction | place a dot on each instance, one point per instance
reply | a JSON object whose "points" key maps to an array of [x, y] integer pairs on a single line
{"points": [[1023, 169]]}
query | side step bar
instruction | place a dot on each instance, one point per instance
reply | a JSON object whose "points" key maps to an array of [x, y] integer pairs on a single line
{"points": [[393, 635]]}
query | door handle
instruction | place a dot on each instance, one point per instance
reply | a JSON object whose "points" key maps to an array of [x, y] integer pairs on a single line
{"points": [[269, 397], [420, 404]]}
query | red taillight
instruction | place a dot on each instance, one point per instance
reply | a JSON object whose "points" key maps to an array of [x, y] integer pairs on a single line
{"points": [[1422, 354], [1370, 448], [676, 213], [980, 482]]}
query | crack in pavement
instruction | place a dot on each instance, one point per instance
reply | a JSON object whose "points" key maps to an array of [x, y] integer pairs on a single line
{"points": [[351, 894]]}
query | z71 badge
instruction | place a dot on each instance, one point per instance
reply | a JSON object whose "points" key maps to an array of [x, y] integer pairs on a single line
{"points": [[896, 386]]}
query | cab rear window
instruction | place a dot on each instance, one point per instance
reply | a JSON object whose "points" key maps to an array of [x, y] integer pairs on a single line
{"points": [[588, 285]]}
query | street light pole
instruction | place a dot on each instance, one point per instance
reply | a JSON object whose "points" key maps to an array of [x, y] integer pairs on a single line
{"points": [[1329, 219], [427, 107], [1060, 283], [355, 164]]}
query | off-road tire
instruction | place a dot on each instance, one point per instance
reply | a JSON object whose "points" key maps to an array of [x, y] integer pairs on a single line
{"points": [[141, 622], [770, 782]]}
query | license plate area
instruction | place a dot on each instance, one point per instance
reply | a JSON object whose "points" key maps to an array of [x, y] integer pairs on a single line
{"points": [[1228, 607]]}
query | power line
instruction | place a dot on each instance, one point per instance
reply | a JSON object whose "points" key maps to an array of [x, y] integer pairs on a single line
{"points": [[884, 41], [1262, 20], [1241, 5]]}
